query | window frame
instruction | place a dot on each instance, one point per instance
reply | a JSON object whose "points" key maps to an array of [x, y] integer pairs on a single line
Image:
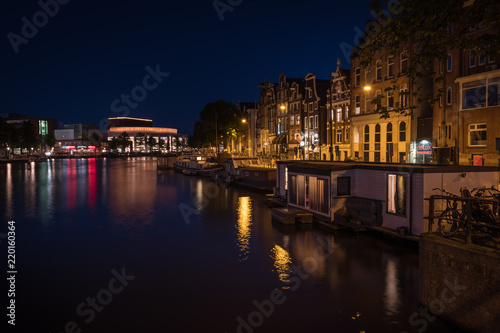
{"points": [[470, 130], [397, 197]]}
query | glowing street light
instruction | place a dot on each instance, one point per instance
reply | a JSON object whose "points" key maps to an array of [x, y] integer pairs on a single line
{"points": [[367, 88]]}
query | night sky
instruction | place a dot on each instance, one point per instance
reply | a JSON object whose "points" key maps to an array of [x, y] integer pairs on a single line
{"points": [[91, 52]]}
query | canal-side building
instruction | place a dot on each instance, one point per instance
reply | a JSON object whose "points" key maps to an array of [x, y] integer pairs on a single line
{"points": [[314, 115], [266, 119], [405, 136], [290, 93], [141, 131], [466, 117], [42, 125], [338, 125]]}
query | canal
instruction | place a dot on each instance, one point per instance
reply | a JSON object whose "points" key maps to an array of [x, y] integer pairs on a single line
{"points": [[114, 246]]}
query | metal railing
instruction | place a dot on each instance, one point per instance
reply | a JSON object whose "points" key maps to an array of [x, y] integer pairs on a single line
{"points": [[474, 218]]}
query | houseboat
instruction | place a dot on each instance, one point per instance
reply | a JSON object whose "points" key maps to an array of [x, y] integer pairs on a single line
{"points": [[389, 196], [250, 172], [197, 165]]}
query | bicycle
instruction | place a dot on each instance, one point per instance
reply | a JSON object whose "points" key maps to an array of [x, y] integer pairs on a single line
{"points": [[449, 223], [451, 220]]}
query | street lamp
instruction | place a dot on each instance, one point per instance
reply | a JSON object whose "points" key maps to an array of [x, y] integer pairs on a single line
{"points": [[367, 88]]}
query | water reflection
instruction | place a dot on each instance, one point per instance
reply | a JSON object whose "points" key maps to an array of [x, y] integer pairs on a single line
{"points": [[244, 226], [391, 294], [282, 264]]}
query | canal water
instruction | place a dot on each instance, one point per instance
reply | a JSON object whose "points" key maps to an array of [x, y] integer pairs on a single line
{"points": [[115, 246]]}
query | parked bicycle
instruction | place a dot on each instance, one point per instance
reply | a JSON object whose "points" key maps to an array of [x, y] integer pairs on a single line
{"points": [[482, 217]]}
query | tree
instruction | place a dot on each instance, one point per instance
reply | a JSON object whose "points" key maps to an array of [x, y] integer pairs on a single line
{"points": [[113, 144], [424, 26], [29, 137], [123, 140], [228, 124], [95, 139], [161, 144], [50, 139]]}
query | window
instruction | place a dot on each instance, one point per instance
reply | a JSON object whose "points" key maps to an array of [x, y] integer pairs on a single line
{"points": [[491, 59], [343, 186], [477, 135], [377, 135], [310, 107], [368, 75], [402, 131], [403, 96], [367, 103], [378, 71], [315, 121], [367, 134], [404, 62], [43, 127], [390, 67], [390, 99], [298, 120], [292, 120], [480, 93], [448, 95], [472, 58], [339, 136], [339, 115], [481, 58], [396, 194], [332, 117], [310, 93], [356, 134], [389, 132], [311, 122], [448, 63], [347, 134], [346, 112], [358, 104], [357, 77]]}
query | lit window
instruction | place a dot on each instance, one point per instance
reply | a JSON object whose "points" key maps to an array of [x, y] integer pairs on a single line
{"points": [[339, 115], [315, 121], [339, 136], [356, 134], [396, 194], [347, 112], [477, 135], [358, 104], [292, 120], [311, 122], [298, 120]]}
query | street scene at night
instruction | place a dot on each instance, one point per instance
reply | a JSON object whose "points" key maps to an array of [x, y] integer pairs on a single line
{"points": [[250, 166]]}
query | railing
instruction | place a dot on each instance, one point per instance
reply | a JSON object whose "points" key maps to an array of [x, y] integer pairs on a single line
{"points": [[475, 218]]}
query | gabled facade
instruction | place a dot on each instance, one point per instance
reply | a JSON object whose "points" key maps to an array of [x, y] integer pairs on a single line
{"points": [[266, 118], [338, 134], [314, 115]]}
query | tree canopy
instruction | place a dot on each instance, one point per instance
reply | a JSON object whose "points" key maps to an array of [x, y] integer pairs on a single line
{"points": [[432, 28], [229, 124]]}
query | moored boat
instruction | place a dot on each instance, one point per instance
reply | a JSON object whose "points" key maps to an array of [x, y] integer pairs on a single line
{"points": [[197, 165]]}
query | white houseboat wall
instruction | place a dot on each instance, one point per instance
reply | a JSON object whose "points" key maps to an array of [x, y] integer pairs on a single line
{"points": [[386, 195]]}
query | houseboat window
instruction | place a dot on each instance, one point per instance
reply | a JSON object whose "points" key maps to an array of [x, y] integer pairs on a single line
{"points": [[396, 194], [301, 191], [318, 194], [343, 186], [293, 190]]}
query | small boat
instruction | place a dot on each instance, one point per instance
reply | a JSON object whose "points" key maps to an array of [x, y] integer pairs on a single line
{"points": [[249, 171], [197, 165]]}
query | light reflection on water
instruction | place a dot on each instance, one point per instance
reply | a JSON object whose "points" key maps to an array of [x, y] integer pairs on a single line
{"points": [[78, 219], [244, 225], [282, 264]]}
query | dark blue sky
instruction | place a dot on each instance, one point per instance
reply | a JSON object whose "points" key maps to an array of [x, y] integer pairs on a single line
{"points": [[92, 52]]}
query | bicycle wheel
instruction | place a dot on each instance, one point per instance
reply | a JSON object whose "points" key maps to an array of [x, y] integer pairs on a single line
{"points": [[449, 222]]}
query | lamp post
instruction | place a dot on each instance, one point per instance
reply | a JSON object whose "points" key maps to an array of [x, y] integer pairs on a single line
{"points": [[216, 139]]}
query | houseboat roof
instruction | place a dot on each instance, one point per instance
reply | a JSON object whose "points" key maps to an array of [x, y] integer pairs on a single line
{"points": [[325, 168]]}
